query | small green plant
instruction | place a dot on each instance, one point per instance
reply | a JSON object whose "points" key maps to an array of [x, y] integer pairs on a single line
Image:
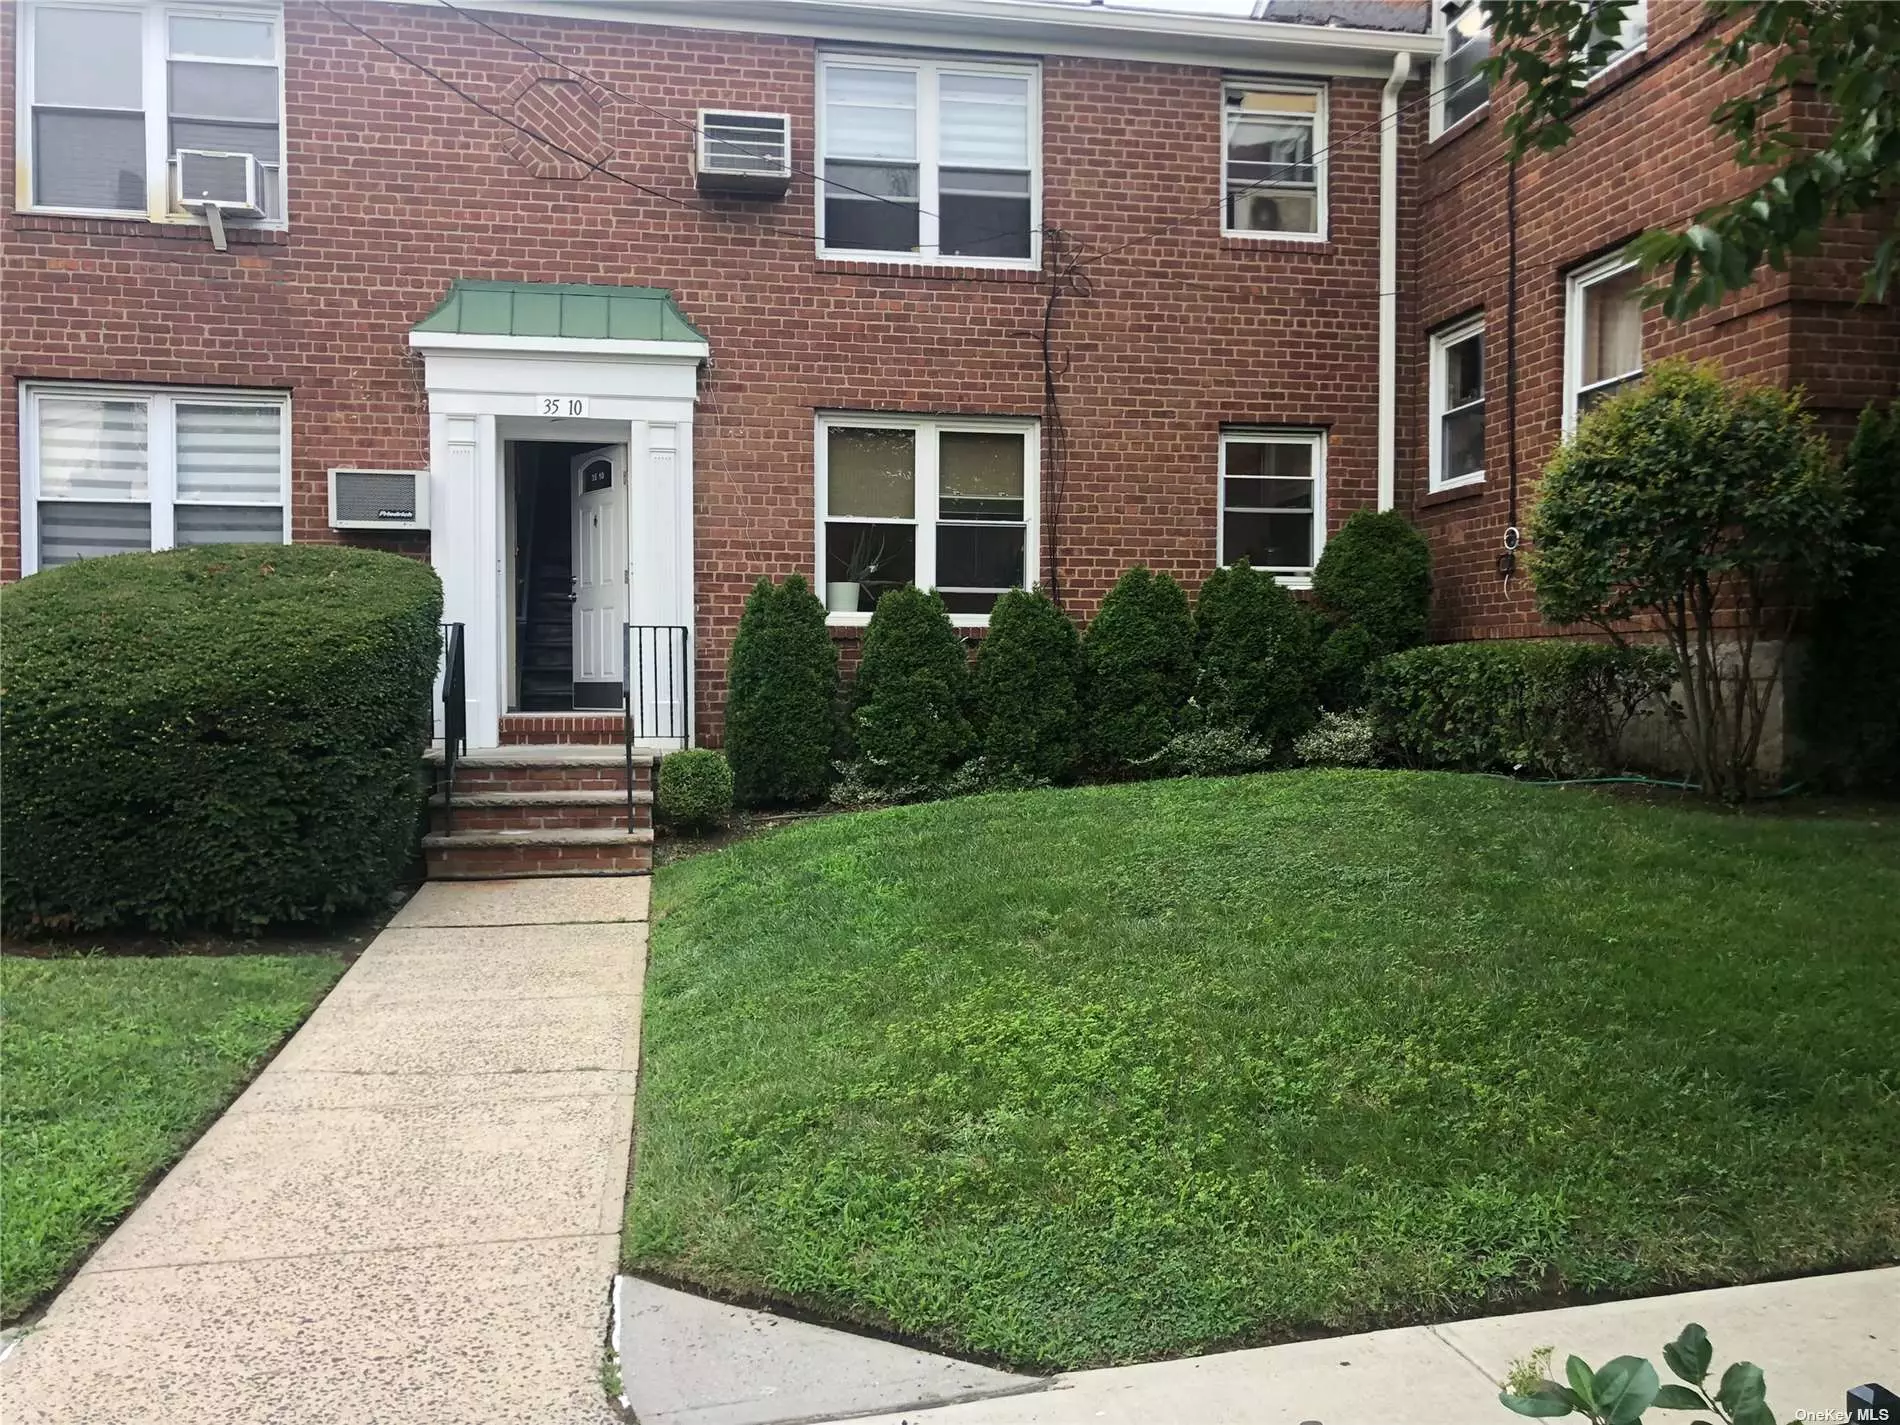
{"points": [[1620, 1392], [694, 791], [781, 697], [1028, 688], [1255, 648], [1215, 752], [1138, 655], [909, 702], [1373, 585], [1341, 739]]}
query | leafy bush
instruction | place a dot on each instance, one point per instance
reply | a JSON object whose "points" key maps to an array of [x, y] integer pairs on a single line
{"points": [[1625, 1388], [1341, 739], [1215, 752], [1255, 646], [228, 736], [1028, 697], [1850, 683], [694, 791], [1138, 656], [781, 697], [1547, 706], [1714, 511], [913, 684], [1374, 584]]}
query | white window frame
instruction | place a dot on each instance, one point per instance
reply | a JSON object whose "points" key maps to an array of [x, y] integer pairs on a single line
{"points": [[1441, 27], [1576, 291], [1292, 577], [155, 93], [1442, 342], [1322, 158], [929, 197], [924, 510], [161, 449]]}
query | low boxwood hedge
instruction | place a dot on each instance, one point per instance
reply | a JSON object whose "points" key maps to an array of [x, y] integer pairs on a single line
{"points": [[694, 791], [225, 736], [1550, 707]]}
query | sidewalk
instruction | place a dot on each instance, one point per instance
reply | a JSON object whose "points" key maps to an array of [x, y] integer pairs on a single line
{"points": [[1814, 1339], [412, 1216]]}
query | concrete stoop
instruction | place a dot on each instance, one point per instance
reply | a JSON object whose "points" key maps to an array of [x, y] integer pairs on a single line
{"points": [[685, 1360]]}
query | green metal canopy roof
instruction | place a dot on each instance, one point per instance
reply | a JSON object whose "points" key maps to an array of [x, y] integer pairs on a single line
{"points": [[560, 309]]}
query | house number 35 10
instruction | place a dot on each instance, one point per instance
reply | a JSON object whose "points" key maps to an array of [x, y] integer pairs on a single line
{"points": [[562, 406]]}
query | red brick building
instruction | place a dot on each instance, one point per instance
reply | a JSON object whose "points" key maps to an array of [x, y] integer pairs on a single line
{"points": [[1039, 290]]}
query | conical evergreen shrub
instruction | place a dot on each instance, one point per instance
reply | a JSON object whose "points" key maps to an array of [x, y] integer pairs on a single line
{"points": [[1138, 655], [1028, 689], [1256, 648], [1373, 583], [781, 697], [909, 706]]}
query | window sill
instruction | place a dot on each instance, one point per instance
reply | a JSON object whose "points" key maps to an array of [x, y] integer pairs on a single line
{"points": [[1445, 137], [850, 624], [1274, 242], [30, 220], [1449, 495], [897, 265]]}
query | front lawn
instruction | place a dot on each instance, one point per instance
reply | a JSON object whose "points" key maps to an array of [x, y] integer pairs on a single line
{"points": [[1082, 1076], [109, 1067]]}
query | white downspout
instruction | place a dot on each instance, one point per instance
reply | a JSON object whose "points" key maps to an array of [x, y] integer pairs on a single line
{"points": [[1389, 279]]}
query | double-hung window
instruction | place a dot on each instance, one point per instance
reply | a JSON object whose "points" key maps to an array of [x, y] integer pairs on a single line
{"points": [[1603, 324], [929, 159], [110, 92], [1273, 501], [1457, 406], [1462, 87], [1274, 160], [106, 470], [944, 503]]}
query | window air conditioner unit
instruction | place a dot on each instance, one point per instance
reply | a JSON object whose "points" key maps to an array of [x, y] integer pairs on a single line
{"points": [[747, 154], [379, 499], [225, 181]]}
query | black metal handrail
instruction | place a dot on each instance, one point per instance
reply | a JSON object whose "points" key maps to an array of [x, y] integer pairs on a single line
{"points": [[454, 715], [655, 660]]}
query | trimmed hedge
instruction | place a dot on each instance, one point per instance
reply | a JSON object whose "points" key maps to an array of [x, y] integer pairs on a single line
{"points": [[226, 736], [1256, 647], [694, 790], [1849, 690], [1028, 689], [1545, 706], [781, 697], [1139, 659], [909, 704], [1374, 584]]}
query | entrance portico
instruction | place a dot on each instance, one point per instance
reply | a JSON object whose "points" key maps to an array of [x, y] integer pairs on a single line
{"points": [[611, 369]]}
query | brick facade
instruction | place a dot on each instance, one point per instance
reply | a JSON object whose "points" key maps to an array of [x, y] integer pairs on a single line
{"points": [[1643, 156], [397, 186]]}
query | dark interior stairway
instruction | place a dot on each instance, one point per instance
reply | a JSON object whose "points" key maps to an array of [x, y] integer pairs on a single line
{"points": [[544, 635]]}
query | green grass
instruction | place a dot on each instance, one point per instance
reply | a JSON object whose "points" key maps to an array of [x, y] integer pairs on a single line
{"points": [[109, 1067], [1073, 1077]]}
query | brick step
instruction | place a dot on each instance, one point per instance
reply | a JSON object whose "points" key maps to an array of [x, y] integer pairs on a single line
{"points": [[564, 767], [505, 855], [540, 810]]}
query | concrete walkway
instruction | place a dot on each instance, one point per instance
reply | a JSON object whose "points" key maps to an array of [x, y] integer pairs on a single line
{"points": [[1814, 1339], [411, 1217]]}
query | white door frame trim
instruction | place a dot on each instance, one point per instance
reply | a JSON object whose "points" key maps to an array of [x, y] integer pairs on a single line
{"points": [[479, 399]]}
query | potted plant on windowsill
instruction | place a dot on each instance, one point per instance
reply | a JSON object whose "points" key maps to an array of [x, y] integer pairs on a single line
{"points": [[846, 596]]}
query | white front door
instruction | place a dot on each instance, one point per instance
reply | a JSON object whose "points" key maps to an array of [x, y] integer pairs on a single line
{"points": [[600, 573]]}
